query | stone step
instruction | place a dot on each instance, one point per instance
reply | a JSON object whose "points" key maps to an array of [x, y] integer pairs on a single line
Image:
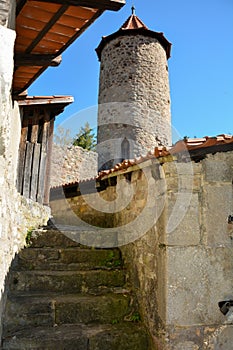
{"points": [[125, 336], [67, 259], [69, 236], [65, 295], [28, 310], [51, 238], [92, 281]]}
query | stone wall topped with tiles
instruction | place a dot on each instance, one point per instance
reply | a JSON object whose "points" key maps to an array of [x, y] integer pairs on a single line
{"points": [[71, 164], [171, 222]]}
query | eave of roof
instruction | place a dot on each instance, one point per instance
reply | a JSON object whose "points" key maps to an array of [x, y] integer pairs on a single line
{"points": [[46, 28], [45, 100], [54, 104], [112, 5], [134, 26]]}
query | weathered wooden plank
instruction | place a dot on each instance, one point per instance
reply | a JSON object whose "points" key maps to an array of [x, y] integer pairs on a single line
{"points": [[45, 136], [21, 160], [41, 179], [51, 46], [34, 134], [48, 163], [43, 157], [71, 22], [80, 12], [27, 170], [36, 12], [35, 172], [63, 29]]}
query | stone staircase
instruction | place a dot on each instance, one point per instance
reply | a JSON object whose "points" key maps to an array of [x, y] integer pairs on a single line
{"points": [[66, 296]]}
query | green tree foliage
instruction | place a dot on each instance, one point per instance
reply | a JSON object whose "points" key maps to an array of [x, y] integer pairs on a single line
{"points": [[85, 138]]}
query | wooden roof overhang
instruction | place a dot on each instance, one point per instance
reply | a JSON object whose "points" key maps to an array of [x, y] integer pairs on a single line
{"points": [[53, 104], [46, 28]]}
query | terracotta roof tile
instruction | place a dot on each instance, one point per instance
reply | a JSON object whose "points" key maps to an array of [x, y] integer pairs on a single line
{"points": [[203, 145]]}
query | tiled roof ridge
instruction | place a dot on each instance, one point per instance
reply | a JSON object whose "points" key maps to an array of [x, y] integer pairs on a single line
{"points": [[181, 146], [133, 22]]}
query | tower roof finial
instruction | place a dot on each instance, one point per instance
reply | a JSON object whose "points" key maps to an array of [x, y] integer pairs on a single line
{"points": [[133, 9]]}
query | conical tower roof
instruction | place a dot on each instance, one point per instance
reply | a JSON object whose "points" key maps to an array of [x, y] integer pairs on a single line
{"points": [[133, 22], [133, 26]]}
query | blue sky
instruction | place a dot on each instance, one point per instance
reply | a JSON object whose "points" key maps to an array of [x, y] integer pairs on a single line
{"points": [[200, 67]]}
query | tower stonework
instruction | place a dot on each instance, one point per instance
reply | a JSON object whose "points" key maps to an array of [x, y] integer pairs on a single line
{"points": [[134, 96]]}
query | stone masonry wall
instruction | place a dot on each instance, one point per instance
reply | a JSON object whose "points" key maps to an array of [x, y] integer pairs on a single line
{"points": [[7, 13], [199, 259], [134, 97], [71, 164], [17, 215], [171, 223]]}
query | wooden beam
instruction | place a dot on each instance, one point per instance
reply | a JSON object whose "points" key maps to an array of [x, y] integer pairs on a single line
{"points": [[37, 60], [63, 48], [46, 28], [113, 5], [20, 5]]}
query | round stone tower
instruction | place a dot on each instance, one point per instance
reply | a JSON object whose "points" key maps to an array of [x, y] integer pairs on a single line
{"points": [[134, 96]]}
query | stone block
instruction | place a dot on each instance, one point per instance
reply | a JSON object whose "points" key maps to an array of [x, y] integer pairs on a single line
{"points": [[186, 345], [52, 338], [217, 206], [183, 223], [218, 338], [185, 338], [58, 281], [52, 239], [217, 170], [25, 312], [132, 338], [197, 279], [89, 309]]}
